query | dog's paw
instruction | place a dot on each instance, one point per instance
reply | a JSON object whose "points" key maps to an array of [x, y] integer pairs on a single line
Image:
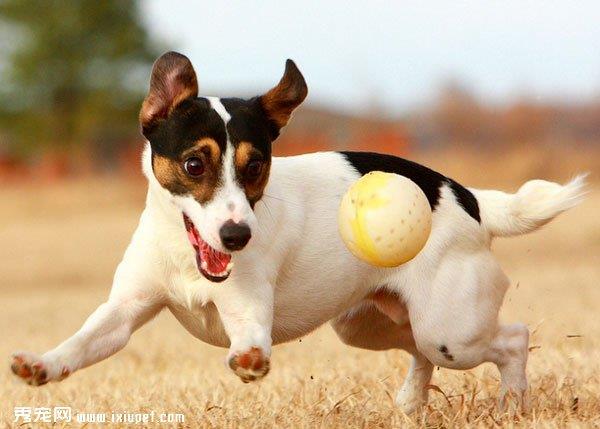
{"points": [[513, 401], [32, 369], [250, 365], [409, 402]]}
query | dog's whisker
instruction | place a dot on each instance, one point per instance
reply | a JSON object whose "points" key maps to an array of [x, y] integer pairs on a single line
{"points": [[278, 198], [269, 211], [297, 203]]}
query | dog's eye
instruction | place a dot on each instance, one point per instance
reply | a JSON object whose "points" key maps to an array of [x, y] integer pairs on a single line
{"points": [[194, 166], [253, 169]]}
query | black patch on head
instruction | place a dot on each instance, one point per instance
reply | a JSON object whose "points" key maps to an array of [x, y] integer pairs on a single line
{"points": [[251, 133], [248, 123], [249, 130], [189, 122], [428, 180]]}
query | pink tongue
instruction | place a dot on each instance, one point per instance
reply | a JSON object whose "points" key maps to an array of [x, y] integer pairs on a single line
{"points": [[217, 262]]}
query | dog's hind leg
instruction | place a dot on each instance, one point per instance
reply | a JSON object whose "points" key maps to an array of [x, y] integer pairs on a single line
{"points": [[509, 350], [381, 323], [455, 321], [413, 393]]}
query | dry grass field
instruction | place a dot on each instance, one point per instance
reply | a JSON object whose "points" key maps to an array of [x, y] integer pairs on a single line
{"points": [[60, 245]]}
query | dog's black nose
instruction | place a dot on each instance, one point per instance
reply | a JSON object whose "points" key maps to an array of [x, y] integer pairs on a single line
{"points": [[235, 235]]}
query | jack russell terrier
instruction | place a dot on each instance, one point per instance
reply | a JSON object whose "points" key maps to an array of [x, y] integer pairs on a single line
{"points": [[243, 248]]}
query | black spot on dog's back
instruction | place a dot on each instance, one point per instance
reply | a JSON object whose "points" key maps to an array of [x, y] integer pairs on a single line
{"points": [[428, 180], [466, 199]]}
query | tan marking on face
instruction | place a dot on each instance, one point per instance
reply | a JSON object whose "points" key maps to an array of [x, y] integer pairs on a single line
{"points": [[172, 176], [207, 146], [243, 153], [246, 152]]}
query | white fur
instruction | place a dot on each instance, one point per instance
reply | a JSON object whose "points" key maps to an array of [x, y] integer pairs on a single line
{"points": [[215, 103], [296, 274], [536, 203]]}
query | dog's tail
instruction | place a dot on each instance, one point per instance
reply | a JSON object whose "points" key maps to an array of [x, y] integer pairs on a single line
{"points": [[536, 203]]}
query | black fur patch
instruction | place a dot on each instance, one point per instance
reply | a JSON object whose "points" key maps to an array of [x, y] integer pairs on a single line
{"points": [[428, 180], [195, 119], [444, 350], [466, 199], [191, 121], [248, 123]]}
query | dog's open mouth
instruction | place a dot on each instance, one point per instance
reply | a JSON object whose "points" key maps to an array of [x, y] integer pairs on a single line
{"points": [[214, 265]]}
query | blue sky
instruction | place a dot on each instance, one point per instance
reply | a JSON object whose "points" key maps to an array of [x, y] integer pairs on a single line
{"points": [[392, 54]]}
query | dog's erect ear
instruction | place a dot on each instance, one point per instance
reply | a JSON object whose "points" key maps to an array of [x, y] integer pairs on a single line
{"points": [[173, 80], [280, 101]]}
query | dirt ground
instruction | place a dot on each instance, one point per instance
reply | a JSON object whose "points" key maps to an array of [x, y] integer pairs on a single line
{"points": [[61, 244]]}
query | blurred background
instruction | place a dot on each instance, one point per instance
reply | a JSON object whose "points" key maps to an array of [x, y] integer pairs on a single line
{"points": [[514, 85], [490, 93]]}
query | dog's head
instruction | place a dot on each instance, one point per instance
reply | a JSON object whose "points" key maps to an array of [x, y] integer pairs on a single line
{"points": [[214, 155]]}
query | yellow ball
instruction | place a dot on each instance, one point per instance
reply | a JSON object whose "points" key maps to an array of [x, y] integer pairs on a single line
{"points": [[384, 219]]}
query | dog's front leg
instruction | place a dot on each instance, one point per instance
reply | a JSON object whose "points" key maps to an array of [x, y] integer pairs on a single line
{"points": [[246, 310], [135, 298], [104, 333]]}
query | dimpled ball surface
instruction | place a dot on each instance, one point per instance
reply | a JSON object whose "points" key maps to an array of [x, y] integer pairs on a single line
{"points": [[384, 219]]}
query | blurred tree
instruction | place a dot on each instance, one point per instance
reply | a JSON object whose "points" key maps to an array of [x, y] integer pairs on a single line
{"points": [[73, 73]]}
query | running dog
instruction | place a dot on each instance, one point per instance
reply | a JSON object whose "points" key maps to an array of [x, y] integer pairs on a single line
{"points": [[243, 248]]}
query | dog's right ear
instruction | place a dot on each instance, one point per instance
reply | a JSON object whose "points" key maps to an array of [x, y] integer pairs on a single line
{"points": [[173, 80]]}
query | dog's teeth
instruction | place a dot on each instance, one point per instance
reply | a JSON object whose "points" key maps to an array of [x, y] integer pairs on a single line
{"points": [[229, 267], [204, 265]]}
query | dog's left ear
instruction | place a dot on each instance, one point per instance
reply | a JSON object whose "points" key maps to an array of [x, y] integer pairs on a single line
{"points": [[280, 101]]}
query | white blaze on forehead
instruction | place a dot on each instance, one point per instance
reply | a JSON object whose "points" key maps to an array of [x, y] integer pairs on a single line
{"points": [[230, 200], [228, 157], [216, 104]]}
